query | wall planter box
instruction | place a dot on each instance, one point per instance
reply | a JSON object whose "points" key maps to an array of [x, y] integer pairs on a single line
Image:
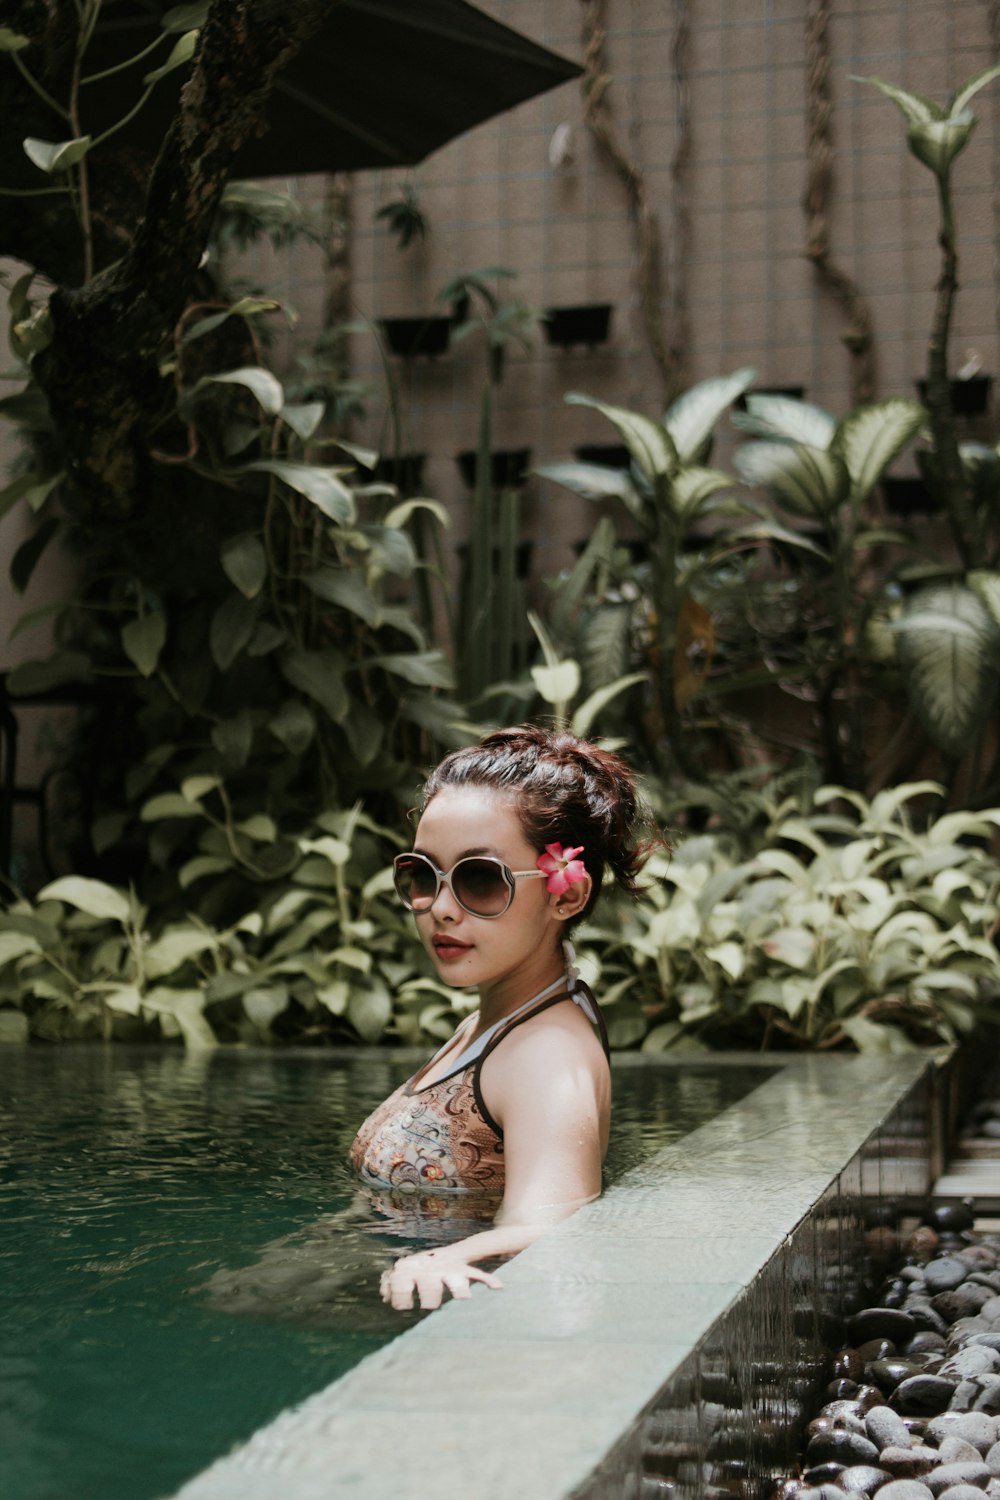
{"points": [[793, 392], [404, 470], [609, 455], [590, 324], [906, 495], [409, 337], [508, 467], [969, 398]]}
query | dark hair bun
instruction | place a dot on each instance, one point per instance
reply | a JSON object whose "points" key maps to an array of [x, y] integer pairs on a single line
{"points": [[565, 790]]}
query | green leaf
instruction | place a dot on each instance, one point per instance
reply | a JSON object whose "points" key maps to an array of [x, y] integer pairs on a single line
{"points": [[294, 726], [233, 738], [12, 41], [14, 945], [807, 481], [986, 587], [691, 487], [948, 646], [184, 17], [649, 443], [784, 419], [231, 628], [259, 826], [143, 640], [939, 142], [692, 417], [261, 383], [591, 481], [323, 487], [29, 554], [244, 562], [557, 684], [91, 896], [400, 514], [346, 589], [173, 948], [422, 668], [56, 156], [169, 805], [263, 1005], [918, 109], [304, 419], [181, 53], [30, 487], [31, 677], [794, 946], [335, 850], [246, 307], [369, 1010], [962, 98], [186, 1009], [583, 718], [319, 674], [365, 732], [199, 867], [871, 436]]}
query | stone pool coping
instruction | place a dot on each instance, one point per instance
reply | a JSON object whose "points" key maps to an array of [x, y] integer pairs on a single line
{"points": [[525, 1392]]}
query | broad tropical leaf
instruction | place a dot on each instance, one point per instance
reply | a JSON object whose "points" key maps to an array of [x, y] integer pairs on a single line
{"points": [[949, 646], [143, 640], [583, 718], [986, 587], [871, 436], [90, 896], [691, 487], [246, 307], [691, 418], [918, 109], [591, 481], [805, 480], [319, 674], [56, 156], [647, 440], [267, 388], [244, 562], [341, 587], [324, 487], [784, 419], [231, 628]]}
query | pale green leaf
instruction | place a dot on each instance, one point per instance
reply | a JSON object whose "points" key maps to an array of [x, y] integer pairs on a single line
{"points": [[400, 514], [937, 143], [57, 156], [186, 17], [186, 1009], [123, 997], [691, 418], [871, 436], [807, 481], [294, 726], [422, 668], [14, 945], [12, 41], [731, 958], [962, 98], [335, 850], [948, 646], [181, 53], [246, 307], [303, 418], [244, 563], [91, 896], [263, 1004], [794, 946], [918, 109], [591, 707], [323, 487], [173, 948], [233, 737], [195, 787], [369, 1010], [648, 441], [348, 590], [230, 630], [590, 481], [200, 866], [986, 586], [557, 684], [143, 640], [261, 383], [784, 419], [169, 805]]}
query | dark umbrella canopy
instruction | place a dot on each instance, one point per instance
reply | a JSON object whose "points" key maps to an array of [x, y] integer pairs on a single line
{"points": [[383, 83]]}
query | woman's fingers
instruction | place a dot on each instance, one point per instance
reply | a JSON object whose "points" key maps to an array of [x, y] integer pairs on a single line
{"points": [[414, 1276]]}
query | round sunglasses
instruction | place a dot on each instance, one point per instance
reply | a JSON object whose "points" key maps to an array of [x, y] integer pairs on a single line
{"points": [[481, 884]]}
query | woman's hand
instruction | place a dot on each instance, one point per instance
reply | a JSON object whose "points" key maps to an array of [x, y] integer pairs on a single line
{"points": [[429, 1275]]}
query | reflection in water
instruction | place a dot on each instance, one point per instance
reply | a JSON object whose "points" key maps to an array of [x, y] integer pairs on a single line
{"points": [[185, 1253]]}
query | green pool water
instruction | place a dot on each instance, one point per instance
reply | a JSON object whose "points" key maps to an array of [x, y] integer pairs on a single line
{"points": [[135, 1185]]}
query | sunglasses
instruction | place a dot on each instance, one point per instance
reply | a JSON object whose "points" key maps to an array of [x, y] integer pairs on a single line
{"points": [[482, 885]]}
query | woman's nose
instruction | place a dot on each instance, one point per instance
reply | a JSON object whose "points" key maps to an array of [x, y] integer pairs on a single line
{"points": [[444, 906]]}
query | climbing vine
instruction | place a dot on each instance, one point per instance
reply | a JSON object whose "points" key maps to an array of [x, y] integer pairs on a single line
{"points": [[819, 187]]}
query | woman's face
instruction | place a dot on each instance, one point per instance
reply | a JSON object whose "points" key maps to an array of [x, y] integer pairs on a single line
{"points": [[468, 950]]}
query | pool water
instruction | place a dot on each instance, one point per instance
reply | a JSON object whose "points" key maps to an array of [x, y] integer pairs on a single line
{"points": [[183, 1252]]}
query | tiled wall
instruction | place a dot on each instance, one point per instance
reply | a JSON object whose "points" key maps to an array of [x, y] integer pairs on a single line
{"points": [[493, 197]]}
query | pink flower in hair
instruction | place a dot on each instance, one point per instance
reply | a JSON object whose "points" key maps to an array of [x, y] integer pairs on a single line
{"points": [[562, 867]]}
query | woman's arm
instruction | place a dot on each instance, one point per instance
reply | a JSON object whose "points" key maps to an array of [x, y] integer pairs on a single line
{"points": [[548, 1089]]}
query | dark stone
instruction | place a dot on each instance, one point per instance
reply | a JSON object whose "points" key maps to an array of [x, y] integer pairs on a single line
{"points": [[827, 1473], [888, 1373], [961, 1302], [908, 1462], [925, 1342], [862, 1479], [868, 1397], [846, 1413], [841, 1390], [926, 1317], [949, 1218], [840, 1446], [922, 1394], [878, 1349], [945, 1273], [880, 1322], [848, 1364]]}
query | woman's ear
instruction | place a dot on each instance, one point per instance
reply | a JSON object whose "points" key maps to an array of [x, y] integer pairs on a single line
{"points": [[572, 901]]}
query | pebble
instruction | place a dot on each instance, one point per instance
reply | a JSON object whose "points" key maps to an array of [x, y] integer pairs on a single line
{"points": [[956, 1450], [909, 1462], [962, 1492], [920, 1394], [880, 1323], [988, 1340], [925, 1342], [840, 1446], [905, 1489], [974, 1359], [946, 1272], [862, 1479], [948, 1474], [989, 1309], [975, 1427], [886, 1428], [992, 1459], [887, 1373], [849, 1363]]}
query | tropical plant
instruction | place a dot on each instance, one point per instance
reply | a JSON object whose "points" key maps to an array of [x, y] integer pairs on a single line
{"points": [[403, 217], [864, 924]]}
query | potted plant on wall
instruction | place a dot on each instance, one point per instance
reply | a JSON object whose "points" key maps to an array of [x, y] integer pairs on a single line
{"points": [[587, 324]]}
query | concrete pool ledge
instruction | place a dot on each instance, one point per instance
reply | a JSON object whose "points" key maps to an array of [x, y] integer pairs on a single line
{"points": [[634, 1344]]}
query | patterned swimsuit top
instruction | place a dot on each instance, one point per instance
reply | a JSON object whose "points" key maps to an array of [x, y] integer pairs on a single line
{"points": [[441, 1138]]}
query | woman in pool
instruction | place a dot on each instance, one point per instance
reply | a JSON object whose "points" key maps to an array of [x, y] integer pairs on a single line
{"points": [[514, 839]]}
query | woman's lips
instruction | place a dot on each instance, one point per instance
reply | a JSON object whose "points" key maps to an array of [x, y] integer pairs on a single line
{"points": [[447, 947]]}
